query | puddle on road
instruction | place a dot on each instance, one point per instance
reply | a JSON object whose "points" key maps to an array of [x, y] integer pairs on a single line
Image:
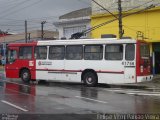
{"points": [[2, 78], [22, 88], [17, 87], [58, 96]]}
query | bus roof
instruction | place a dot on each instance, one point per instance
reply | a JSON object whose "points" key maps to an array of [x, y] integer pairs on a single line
{"points": [[77, 42], [86, 41], [22, 44]]}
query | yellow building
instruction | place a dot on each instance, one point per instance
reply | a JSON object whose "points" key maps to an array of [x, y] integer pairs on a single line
{"points": [[147, 22]]}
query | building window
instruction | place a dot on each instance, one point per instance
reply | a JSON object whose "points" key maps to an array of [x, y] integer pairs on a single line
{"points": [[93, 52], [56, 52], [40, 52], [114, 52], [25, 53], [68, 31], [74, 52]]}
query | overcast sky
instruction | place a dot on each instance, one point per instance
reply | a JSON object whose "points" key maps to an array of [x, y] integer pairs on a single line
{"points": [[14, 12]]}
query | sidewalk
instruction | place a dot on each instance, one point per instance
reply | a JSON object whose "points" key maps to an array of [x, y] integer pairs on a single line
{"points": [[149, 85], [154, 84]]}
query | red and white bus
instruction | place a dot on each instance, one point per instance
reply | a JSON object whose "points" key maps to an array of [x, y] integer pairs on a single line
{"points": [[90, 61]]}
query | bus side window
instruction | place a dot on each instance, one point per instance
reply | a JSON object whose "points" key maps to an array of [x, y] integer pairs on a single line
{"points": [[114, 52], [40, 52], [130, 52], [74, 52], [56, 52], [93, 52], [25, 52]]}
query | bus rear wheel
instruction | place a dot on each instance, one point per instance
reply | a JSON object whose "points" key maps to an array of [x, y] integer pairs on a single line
{"points": [[25, 76], [90, 79]]}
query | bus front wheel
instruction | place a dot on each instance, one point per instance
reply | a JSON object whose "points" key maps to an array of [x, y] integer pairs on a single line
{"points": [[25, 76], [90, 79]]}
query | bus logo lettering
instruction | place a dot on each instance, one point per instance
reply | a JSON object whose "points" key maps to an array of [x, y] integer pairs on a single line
{"points": [[44, 63]]}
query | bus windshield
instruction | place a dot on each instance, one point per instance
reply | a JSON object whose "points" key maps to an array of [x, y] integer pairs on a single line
{"points": [[144, 51], [11, 57]]}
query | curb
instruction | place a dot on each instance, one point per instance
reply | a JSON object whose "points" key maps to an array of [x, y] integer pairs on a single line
{"points": [[130, 86]]}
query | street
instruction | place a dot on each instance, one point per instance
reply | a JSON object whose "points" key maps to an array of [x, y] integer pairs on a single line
{"points": [[80, 60], [68, 99]]}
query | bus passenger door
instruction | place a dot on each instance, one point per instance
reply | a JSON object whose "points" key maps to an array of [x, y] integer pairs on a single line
{"points": [[56, 60], [11, 67], [130, 64], [40, 54]]}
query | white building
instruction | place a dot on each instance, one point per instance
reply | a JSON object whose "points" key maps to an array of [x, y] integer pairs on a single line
{"points": [[74, 22]]}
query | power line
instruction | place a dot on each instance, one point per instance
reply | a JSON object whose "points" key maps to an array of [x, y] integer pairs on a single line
{"points": [[95, 27], [46, 17], [79, 34], [118, 18], [10, 25], [32, 27], [40, 20], [130, 28], [36, 20], [84, 1], [121, 32], [19, 10], [105, 9], [8, 4], [15, 6], [139, 6]]}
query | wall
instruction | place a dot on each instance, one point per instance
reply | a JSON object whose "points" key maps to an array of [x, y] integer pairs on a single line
{"points": [[147, 22], [71, 23]]}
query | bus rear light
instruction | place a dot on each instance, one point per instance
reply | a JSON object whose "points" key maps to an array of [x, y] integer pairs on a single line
{"points": [[149, 68], [142, 62], [141, 69]]}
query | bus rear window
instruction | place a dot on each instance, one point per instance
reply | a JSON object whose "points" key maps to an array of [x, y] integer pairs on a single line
{"points": [[144, 51]]}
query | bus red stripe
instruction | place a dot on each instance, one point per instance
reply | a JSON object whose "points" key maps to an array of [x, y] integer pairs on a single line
{"points": [[62, 70]]}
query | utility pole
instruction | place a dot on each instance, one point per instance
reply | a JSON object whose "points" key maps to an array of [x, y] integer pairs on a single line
{"points": [[121, 32], [42, 32], [26, 31], [29, 36]]}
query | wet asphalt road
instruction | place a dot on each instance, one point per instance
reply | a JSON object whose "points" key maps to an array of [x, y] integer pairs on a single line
{"points": [[63, 100], [58, 98]]}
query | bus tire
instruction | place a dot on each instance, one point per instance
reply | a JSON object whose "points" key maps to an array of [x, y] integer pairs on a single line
{"points": [[90, 79], [25, 76]]}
